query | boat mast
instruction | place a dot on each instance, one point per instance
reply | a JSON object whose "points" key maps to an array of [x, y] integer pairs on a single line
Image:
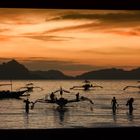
{"points": [[11, 85]]}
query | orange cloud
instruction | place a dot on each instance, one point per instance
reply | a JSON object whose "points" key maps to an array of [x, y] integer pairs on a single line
{"points": [[125, 31], [4, 38]]}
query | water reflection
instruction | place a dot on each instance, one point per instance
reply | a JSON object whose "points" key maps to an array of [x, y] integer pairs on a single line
{"points": [[61, 113], [26, 120], [114, 116], [10, 109], [130, 116]]}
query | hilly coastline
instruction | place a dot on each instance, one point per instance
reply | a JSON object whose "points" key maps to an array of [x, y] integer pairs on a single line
{"points": [[14, 70]]}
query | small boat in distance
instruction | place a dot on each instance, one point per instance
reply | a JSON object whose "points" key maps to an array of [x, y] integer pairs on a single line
{"points": [[86, 86], [11, 94], [30, 87], [131, 87]]}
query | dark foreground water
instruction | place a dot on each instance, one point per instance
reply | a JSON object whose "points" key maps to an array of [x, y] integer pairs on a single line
{"points": [[75, 115]]}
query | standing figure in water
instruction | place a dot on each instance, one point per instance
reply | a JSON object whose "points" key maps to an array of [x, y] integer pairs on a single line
{"points": [[130, 104], [77, 96], [114, 104], [27, 102]]}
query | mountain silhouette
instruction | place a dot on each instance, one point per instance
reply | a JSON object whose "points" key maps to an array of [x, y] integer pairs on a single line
{"points": [[14, 70], [111, 73], [135, 73], [51, 74]]}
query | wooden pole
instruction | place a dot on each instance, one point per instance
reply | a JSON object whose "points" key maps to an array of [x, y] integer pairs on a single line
{"points": [[11, 86]]}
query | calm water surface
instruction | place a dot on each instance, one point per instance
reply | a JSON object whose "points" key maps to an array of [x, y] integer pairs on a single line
{"points": [[75, 115]]}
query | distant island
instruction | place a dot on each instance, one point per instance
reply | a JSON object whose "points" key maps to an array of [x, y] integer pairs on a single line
{"points": [[14, 70]]}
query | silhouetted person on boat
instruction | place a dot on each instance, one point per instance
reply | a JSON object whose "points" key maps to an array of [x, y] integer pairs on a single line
{"points": [[130, 104], [77, 96], [61, 92], [27, 102], [86, 86], [114, 104], [52, 96]]}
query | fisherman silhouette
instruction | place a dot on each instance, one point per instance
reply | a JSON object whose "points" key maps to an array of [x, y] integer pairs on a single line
{"points": [[61, 92], [130, 104], [86, 86], [52, 97], [114, 104], [27, 102], [77, 96]]}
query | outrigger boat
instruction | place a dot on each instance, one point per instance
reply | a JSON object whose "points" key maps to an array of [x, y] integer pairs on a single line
{"points": [[30, 87], [131, 87], [86, 86], [61, 102], [11, 93], [137, 86]]}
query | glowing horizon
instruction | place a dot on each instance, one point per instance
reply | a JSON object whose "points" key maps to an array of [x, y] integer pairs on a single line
{"points": [[71, 40]]}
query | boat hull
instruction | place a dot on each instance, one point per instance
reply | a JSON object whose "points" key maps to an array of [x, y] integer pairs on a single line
{"points": [[11, 94]]}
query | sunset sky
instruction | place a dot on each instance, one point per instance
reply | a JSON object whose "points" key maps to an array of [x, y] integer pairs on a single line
{"points": [[73, 41]]}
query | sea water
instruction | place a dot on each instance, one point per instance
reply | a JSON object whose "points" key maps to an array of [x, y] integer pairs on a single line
{"points": [[75, 115]]}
